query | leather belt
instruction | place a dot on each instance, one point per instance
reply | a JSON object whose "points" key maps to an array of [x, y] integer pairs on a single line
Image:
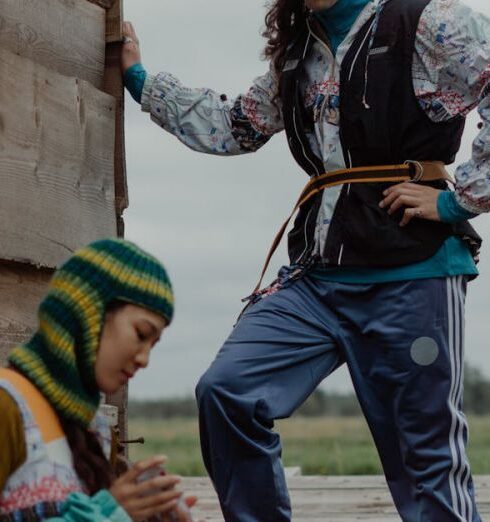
{"points": [[413, 171]]}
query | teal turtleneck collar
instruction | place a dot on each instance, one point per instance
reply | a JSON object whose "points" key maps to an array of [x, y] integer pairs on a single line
{"points": [[338, 20]]}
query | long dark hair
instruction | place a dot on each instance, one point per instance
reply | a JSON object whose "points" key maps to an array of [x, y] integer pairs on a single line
{"points": [[283, 22], [89, 460], [90, 463]]}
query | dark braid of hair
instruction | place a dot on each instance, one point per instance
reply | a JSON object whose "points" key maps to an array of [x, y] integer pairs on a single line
{"points": [[284, 21], [89, 461]]}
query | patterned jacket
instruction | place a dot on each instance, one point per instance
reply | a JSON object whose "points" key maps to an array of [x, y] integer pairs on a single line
{"points": [[451, 76]]}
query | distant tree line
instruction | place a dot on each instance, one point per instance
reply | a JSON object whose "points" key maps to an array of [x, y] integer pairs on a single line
{"points": [[320, 403]]}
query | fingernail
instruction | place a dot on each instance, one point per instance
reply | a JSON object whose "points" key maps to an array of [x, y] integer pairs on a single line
{"points": [[381, 204]]}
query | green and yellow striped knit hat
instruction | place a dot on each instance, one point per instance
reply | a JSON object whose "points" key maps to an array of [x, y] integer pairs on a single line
{"points": [[60, 357]]}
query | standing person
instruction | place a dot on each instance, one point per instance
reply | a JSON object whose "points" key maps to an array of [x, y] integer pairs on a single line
{"points": [[106, 308], [373, 99]]}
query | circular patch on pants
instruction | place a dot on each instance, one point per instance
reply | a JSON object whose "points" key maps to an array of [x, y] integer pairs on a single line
{"points": [[424, 351]]}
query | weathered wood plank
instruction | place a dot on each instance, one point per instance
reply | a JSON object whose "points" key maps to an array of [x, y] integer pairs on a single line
{"points": [[120, 401], [106, 4], [113, 85], [67, 36], [56, 163], [21, 289], [331, 499], [114, 21]]}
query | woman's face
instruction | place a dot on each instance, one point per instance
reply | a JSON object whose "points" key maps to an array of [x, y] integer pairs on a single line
{"points": [[129, 334], [317, 5]]}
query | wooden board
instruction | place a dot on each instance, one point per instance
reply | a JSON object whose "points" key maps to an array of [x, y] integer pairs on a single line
{"points": [[113, 85], [67, 36], [327, 499], [114, 20], [106, 4], [21, 290], [120, 401], [56, 163]]}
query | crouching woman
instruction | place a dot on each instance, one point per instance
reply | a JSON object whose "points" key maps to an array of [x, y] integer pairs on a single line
{"points": [[105, 309]]}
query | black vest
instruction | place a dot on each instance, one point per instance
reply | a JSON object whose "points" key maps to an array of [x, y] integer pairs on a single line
{"points": [[381, 123]]}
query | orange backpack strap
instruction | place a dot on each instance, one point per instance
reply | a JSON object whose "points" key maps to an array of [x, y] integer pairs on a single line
{"points": [[43, 413]]}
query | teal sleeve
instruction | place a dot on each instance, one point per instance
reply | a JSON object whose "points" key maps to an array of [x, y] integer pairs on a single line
{"points": [[449, 210], [102, 507], [134, 80]]}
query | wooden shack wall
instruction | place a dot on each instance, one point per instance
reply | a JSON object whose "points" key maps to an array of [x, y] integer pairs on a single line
{"points": [[62, 167]]}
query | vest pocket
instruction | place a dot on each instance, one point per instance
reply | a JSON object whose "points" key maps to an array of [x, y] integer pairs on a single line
{"points": [[371, 237]]}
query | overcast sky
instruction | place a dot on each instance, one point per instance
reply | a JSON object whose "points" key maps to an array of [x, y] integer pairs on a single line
{"points": [[211, 220]]}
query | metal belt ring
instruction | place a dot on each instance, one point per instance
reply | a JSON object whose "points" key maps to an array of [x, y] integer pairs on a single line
{"points": [[419, 170]]}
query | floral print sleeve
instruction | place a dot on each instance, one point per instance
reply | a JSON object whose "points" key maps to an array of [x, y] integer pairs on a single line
{"points": [[209, 122], [452, 77]]}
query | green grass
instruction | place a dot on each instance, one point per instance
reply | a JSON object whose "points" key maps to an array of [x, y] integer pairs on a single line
{"points": [[321, 446]]}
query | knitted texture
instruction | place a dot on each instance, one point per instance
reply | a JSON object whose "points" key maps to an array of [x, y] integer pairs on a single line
{"points": [[60, 357]]}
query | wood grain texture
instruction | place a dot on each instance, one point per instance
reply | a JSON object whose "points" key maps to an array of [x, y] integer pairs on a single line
{"points": [[56, 163], [113, 85], [120, 400], [21, 289], [106, 4], [114, 21], [327, 499], [67, 36]]}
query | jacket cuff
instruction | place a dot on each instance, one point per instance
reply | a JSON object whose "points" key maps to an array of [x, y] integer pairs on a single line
{"points": [[134, 79], [109, 507], [146, 94], [449, 210]]}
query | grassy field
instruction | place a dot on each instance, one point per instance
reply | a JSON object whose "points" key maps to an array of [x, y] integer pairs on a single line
{"points": [[323, 446]]}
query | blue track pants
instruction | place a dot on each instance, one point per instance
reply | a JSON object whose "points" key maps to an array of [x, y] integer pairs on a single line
{"points": [[403, 344]]}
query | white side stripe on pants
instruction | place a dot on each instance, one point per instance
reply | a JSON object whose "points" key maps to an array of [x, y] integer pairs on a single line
{"points": [[460, 473]]}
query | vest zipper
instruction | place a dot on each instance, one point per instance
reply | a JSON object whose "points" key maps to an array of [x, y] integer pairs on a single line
{"points": [[306, 237], [334, 67], [339, 260], [302, 144], [350, 166], [349, 157]]}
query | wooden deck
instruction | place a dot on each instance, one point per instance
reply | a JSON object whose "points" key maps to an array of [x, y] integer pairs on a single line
{"points": [[329, 499]]}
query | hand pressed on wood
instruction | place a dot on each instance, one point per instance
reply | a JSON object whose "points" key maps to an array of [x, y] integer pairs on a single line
{"points": [[131, 52], [420, 201]]}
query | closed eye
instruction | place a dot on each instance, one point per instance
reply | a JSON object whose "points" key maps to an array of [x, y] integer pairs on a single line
{"points": [[141, 336]]}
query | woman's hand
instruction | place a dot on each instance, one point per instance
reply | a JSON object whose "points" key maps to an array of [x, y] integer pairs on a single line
{"points": [[420, 200], [147, 498], [131, 53], [181, 513]]}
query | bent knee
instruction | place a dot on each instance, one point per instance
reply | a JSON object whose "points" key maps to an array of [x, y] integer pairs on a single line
{"points": [[208, 386], [218, 381]]}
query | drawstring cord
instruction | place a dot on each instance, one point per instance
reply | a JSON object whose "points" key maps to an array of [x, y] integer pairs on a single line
{"points": [[379, 9]]}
